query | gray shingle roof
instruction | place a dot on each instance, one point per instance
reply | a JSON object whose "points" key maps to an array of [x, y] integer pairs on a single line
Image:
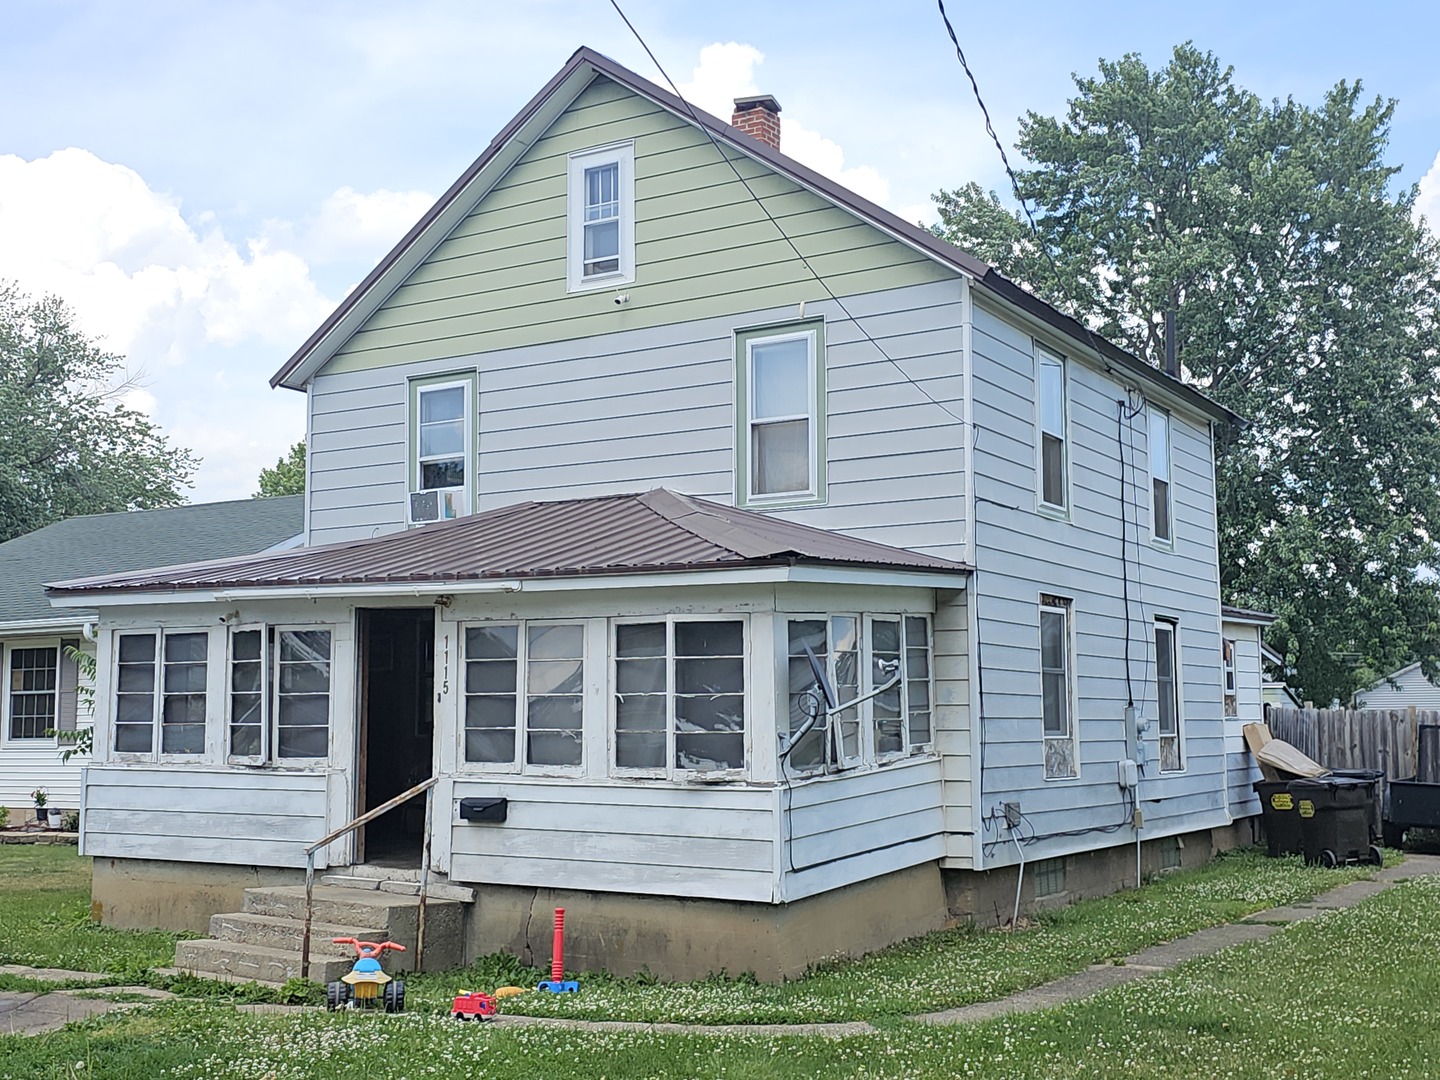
{"points": [[112, 543], [656, 532]]}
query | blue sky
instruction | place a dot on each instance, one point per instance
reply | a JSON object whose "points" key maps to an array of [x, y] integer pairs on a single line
{"points": [[203, 182]]}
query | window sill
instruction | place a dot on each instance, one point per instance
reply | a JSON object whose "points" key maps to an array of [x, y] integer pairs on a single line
{"points": [[761, 503], [1054, 513], [596, 284]]}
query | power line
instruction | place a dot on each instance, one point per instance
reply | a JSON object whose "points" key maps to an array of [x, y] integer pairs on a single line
{"points": [[778, 227]]}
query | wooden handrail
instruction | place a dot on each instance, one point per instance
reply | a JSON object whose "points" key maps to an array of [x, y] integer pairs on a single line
{"points": [[371, 815], [330, 838]]}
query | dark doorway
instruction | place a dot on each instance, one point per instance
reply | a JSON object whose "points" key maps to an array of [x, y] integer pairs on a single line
{"points": [[397, 729]]}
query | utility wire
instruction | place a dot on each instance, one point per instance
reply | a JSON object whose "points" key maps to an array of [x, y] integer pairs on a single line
{"points": [[778, 227]]}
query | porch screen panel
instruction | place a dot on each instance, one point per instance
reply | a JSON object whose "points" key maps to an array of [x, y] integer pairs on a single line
{"points": [[32, 692], [491, 692], [247, 694], [885, 662], [641, 657], [917, 679], [554, 673], [710, 695], [805, 696], [845, 640], [135, 694], [182, 714], [302, 694]]}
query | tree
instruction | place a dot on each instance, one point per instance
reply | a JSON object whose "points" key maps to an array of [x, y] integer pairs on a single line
{"points": [[287, 477], [68, 445], [1306, 300]]}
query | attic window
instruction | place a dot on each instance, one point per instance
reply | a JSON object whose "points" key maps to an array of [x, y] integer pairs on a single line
{"points": [[601, 217]]}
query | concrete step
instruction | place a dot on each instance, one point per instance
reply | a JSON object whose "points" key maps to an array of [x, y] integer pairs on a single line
{"points": [[350, 881], [244, 928], [232, 960], [435, 890], [381, 873]]}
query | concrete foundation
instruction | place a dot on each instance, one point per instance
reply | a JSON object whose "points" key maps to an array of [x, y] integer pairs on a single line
{"points": [[689, 939], [140, 894]]}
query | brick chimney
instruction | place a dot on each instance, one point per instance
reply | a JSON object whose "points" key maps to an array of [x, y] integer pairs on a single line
{"points": [[758, 117]]}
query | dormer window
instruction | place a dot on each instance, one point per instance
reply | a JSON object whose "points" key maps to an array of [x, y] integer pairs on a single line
{"points": [[601, 217]]}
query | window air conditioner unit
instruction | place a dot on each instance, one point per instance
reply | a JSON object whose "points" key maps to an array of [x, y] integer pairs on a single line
{"points": [[440, 505]]}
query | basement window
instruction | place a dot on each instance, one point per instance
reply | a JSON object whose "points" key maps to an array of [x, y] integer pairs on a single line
{"points": [[1049, 878]]}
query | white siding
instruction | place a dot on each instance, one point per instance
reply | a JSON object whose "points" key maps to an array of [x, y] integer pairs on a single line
{"points": [[1022, 553], [27, 764], [1411, 691], [655, 407], [1241, 771]]}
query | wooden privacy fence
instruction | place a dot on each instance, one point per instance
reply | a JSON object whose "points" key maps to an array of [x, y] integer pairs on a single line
{"points": [[1402, 743]]}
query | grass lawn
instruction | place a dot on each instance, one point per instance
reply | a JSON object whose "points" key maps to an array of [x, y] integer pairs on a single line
{"points": [[1347, 995]]}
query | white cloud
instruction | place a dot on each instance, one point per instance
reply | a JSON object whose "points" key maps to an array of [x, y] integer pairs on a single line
{"points": [[1427, 203], [727, 71], [353, 225]]}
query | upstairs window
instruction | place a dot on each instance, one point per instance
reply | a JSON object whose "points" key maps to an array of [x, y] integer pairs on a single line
{"points": [[601, 213], [442, 447], [1160, 475], [1050, 392], [780, 383]]}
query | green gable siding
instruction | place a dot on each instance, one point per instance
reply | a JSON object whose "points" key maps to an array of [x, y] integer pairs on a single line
{"points": [[703, 248]]}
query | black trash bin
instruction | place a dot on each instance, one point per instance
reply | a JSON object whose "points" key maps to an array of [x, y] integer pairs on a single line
{"points": [[1278, 816], [1335, 820], [1377, 808]]}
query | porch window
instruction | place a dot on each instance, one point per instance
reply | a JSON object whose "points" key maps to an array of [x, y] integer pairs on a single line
{"points": [[279, 684], [780, 444], [896, 723], [1056, 690], [1167, 697], [535, 721], [161, 682], [34, 685], [680, 696]]}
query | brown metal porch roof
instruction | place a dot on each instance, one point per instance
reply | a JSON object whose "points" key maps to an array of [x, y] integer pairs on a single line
{"points": [[656, 532]]}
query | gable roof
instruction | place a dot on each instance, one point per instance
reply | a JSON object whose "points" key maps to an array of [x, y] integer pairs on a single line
{"points": [[516, 137], [132, 540], [656, 532]]}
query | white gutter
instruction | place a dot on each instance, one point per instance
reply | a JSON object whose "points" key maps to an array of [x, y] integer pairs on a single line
{"points": [[38, 626]]}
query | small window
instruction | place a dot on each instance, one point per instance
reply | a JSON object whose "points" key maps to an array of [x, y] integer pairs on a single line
{"points": [[161, 681], [279, 691], [1057, 698], [34, 689], [780, 375], [1051, 409], [1167, 698], [680, 696], [602, 217], [1171, 849], [1049, 878], [442, 447], [543, 726], [1227, 668], [1160, 474]]}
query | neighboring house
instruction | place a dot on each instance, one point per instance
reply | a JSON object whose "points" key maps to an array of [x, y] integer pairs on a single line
{"points": [[1276, 690], [42, 680], [1407, 688], [674, 462], [1242, 667]]}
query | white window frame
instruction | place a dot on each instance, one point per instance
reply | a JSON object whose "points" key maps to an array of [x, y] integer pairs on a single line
{"points": [[622, 155], [270, 699], [520, 762], [1176, 689], [1163, 418], [1062, 508], [8, 659], [157, 695], [670, 770], [866, 751], [815, 420], [418, 387], [1065, 609], [1228, 650]]}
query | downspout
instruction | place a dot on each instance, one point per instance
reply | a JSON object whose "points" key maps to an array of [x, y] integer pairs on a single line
{"points": [[972, 602]]}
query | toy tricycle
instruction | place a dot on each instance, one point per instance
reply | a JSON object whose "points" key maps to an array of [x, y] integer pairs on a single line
{"points": [[366, 983], [473, 1006]]}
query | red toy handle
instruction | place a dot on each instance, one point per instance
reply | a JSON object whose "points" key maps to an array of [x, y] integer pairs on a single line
{"points": [[368, 950]]}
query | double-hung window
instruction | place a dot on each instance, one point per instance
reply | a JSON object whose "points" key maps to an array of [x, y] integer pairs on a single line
{"points": [[780, 441], [1167, 697], [679, 696], [1159, 454], [1227, 671], [860, 654], [279, 694], [161, 684], [1057, 705], [524, 704], [42, 698], [601, 215], [1051, 410], [442, 446]]}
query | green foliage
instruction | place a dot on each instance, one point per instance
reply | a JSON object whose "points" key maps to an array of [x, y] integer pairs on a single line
{"points": [[4, 816], [1308, 301], [287, 477], [71, 447], [82, 740], [70, 821]]}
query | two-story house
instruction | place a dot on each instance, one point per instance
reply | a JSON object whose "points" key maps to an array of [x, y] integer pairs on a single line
{"points": [[638, 418]]}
